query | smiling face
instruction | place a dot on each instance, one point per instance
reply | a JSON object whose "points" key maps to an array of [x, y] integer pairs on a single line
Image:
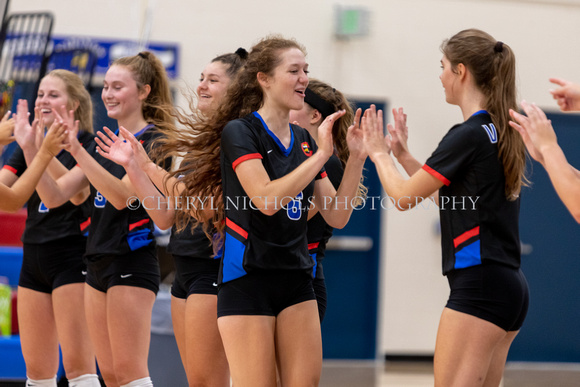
{"points": [[51, 95], [448, 79], [120, 94], [286, 86], [212, 86]]}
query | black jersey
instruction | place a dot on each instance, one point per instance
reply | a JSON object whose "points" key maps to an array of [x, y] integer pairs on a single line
{"points": [[44, 225], [254, 240], [478, 223], [319, 232], [190, 244], [112, 231]]}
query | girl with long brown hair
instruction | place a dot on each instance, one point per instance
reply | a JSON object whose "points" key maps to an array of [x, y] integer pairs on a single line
{"points": [[261, 171], [478, 169]]}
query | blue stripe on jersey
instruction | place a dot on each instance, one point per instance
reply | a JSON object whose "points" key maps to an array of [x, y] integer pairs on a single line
{"points": [[233, 261], [315, 265], [468, 256], [479, 112], [280, 145]]}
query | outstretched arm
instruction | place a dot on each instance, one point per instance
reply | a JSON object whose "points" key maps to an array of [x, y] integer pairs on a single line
{"points": [[269, 196], [13, 198], [336, 206], [542, 144], [407, 193], [116, 191], [55, 168], [29, 137], [160, 207]]}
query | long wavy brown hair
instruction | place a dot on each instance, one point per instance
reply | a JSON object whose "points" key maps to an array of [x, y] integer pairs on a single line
{"points": [[199, 139], [340, 127], [493, 66]]}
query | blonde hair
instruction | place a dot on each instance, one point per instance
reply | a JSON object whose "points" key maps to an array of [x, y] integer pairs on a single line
{"points": [[76, 92]]}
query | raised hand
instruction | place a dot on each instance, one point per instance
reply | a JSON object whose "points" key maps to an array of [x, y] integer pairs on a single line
{"points": [[567, 95], [355, 138], [114, 148], [324, 142], [399, 133], [7, 129], [23, 130], [139, 153], [375, 141], [535, 128], [55, 138]]}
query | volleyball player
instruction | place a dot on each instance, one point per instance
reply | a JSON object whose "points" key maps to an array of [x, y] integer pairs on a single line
{"points": [[122, 267], [267, 313], [51, 309], [194, 289], [482, 161], [320, 101]]}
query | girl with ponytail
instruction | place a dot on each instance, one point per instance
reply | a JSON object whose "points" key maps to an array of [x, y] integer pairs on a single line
{"points": [[194, 289], [122, 268], [482, 162]]}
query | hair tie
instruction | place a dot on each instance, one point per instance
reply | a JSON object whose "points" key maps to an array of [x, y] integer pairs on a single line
{"points": [[317, 102], [142, 55], [498, 46], [242, 53]]}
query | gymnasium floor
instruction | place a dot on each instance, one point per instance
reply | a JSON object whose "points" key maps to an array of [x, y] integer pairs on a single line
{"points": [[420, 374]]}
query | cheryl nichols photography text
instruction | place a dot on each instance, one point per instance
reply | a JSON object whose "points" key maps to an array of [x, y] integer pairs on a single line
{"points": [[454, 203]]}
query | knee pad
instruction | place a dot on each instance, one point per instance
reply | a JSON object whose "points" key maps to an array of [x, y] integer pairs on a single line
{"points": [[86, 380], [143, 382], [41, 382]]}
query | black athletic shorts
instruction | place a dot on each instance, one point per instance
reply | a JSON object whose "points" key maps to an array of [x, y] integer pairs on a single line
{"points": [[264, 292], [47, 266], [320, 292], [194, 276], [139, 268], [493, 292]]}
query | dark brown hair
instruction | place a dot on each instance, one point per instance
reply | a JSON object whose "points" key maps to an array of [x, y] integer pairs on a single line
{"points": [[340, 127], [199, 140]]}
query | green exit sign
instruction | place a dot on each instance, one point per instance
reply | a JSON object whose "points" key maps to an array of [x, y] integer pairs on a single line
{"points": [[351, 21]]}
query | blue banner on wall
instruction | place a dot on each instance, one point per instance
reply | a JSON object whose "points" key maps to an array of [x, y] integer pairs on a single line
{"points": [[110, 49]]}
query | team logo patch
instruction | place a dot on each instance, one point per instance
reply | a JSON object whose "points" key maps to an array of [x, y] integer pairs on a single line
{"points": [[306, 149]]}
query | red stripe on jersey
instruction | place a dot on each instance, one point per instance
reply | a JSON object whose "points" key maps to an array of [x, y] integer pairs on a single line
{"points": [[10, 168], [243, 233], [465, 236], [85, 224], [323, 175], [436, 174], [240, 160], [137, 224], [313, 245]]}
